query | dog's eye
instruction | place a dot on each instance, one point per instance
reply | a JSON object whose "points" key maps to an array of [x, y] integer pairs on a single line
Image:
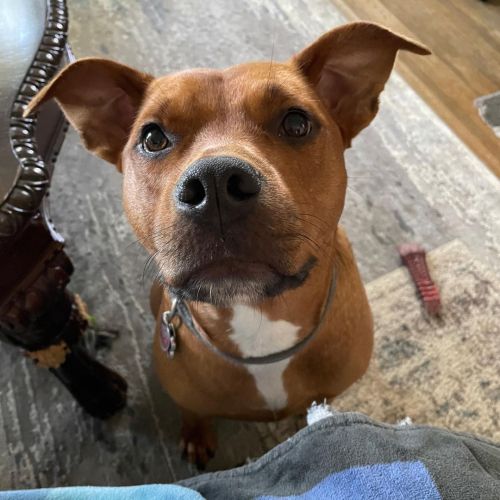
{"points": [[154, 140], [296, 124]]}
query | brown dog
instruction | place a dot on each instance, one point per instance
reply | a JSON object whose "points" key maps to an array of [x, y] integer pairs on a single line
{"points": [[235, 181]]}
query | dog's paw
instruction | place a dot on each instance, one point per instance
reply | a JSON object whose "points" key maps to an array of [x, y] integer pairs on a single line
{"points": [[198, 441]]}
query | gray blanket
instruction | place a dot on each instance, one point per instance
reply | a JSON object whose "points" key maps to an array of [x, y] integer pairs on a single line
{"points": [[349, 456]]}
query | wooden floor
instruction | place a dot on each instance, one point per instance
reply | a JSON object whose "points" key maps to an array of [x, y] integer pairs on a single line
{"points": [[464, 36]]}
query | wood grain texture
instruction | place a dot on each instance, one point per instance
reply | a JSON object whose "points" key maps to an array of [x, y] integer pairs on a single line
{"points": [[464, 37], [410, 179]]}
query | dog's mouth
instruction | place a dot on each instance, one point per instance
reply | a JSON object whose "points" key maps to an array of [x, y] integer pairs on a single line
{"points": [[236, 269], [228, 281]]}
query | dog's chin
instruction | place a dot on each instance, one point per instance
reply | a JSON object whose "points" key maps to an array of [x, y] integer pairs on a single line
{"points": [[223, 292], [226, 284]]}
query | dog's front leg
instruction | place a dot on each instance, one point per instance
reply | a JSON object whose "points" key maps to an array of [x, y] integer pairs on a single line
{"points": [[198, 438]]}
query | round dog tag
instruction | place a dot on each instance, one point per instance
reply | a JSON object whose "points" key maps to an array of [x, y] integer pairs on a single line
{"points": [[168, 338]]}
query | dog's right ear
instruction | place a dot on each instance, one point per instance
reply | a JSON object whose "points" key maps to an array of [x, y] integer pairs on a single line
{"points": [[100, 98]]}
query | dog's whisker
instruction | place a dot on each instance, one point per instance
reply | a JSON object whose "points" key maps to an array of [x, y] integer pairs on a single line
{"points": [[150, 261], [198, 292], [355, 192], [133, 242], [302, 214], [309, 223]]}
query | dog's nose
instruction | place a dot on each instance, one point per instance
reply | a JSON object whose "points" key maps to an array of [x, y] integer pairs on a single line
{"points": [[218, 189]]}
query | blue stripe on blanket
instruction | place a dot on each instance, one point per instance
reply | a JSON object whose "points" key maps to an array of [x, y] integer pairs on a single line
{"points": [[146, 492], [396, 480]]}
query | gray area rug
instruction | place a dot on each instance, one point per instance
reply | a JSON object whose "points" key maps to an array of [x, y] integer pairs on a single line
{"points": [[410, 179]]}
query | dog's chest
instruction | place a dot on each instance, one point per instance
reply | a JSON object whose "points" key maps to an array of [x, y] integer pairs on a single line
{"points": [[256, 335]]}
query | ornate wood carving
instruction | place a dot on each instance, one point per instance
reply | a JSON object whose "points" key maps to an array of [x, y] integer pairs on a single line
{"points": [[33, 181], [39, 315]]}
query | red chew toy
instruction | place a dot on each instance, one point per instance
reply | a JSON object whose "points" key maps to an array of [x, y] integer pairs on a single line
{"points": [[413, 257]]}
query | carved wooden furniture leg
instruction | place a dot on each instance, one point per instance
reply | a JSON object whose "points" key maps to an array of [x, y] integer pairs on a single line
{"points": [[37, 313]]}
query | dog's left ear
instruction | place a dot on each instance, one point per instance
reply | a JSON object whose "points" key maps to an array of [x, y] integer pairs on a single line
{"points": [[348, 68]]}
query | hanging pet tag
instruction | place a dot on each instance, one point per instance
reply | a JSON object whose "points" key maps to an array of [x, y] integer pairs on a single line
{"points": [[168, 332]]}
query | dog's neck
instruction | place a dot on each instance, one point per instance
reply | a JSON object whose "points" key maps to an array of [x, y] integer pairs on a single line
{"points": [[272, 325]]}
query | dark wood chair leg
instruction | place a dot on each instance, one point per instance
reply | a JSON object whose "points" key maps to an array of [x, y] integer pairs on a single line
{"points": [[99, 390], [38, 314]]}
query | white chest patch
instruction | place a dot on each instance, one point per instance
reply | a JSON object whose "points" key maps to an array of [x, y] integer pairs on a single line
{"points": [[256, 335]]}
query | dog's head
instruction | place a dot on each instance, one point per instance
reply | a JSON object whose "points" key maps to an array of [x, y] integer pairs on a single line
{"points": [[234, 179]]}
